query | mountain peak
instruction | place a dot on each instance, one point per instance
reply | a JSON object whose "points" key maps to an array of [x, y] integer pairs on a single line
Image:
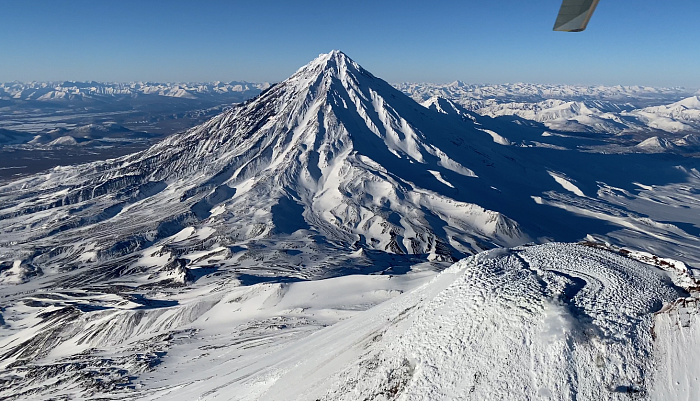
{"points": [[692, 102], [335, 55], [334, 64]]}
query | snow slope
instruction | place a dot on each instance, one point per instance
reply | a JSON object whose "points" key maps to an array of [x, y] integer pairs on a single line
{"points": [[556, 322], [677, 341], [683, 115]]}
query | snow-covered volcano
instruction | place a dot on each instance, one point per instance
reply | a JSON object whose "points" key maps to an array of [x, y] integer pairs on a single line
{"points": [[331, 158], [333, 168], [201, 248]]}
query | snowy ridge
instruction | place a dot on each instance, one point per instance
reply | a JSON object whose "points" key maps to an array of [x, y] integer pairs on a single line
{"points": [[525, 92], [562, 115], [680, 116], [446, 106]]}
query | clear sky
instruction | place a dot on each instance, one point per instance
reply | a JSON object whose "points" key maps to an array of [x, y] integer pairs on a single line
{"points": [[628, 42]]}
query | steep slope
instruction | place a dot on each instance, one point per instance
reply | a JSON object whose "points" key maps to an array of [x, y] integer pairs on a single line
{"points": [[677, 340], [446, 106], [332, 161]]}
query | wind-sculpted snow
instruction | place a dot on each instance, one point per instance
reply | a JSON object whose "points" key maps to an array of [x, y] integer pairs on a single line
{"points": [[677, 338], [556, 321]]}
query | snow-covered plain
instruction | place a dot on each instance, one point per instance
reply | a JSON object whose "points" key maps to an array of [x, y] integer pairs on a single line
{"points": [[290, 248]]}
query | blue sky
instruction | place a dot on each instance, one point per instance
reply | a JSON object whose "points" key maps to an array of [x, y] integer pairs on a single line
{"points": [[645, 42]]}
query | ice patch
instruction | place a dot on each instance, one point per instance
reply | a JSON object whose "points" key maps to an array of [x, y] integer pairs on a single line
{"points": [[566, 183], [496, 137], [183, 234], [647, 187], [438, 176], [217, 210]]}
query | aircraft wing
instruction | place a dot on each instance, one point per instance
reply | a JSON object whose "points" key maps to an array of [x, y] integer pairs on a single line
{"points": [[574, 15]]}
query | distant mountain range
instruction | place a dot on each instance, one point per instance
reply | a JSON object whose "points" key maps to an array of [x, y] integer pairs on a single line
{"points": [[600, 109], [636, 96], [603, 109], [70, 90], [600, 116]]}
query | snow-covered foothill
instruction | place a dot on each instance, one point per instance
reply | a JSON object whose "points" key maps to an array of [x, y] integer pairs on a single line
{"points": [[64, 141], [683, 115], [656, 145]]}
